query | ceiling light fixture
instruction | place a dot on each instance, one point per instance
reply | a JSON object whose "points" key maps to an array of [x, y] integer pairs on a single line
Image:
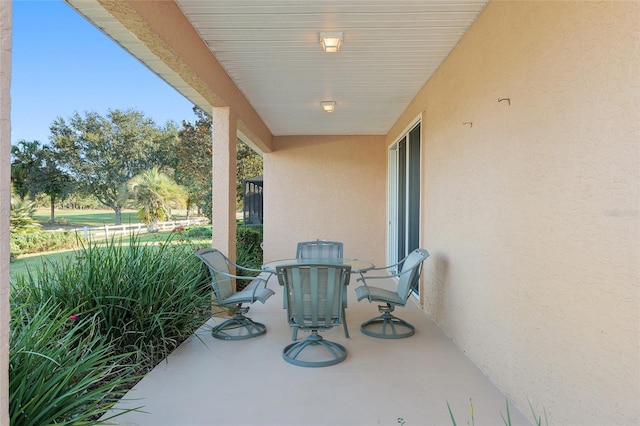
{"points": [[331, 42], [328, 106]]}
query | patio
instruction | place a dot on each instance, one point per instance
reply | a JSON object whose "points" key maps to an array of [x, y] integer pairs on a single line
{"points": [[523, 186], [208, 381]]}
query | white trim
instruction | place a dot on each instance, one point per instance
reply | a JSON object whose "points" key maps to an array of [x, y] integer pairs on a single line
{"points": [[407, 129], [393, 195]]}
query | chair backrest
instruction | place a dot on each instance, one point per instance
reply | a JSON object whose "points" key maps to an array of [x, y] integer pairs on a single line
{"points": [[218, 265], [314, 293], [410, 272], [319, 249]]}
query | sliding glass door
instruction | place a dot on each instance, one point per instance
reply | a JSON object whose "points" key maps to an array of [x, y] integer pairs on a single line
{"points": [[404, 194]]}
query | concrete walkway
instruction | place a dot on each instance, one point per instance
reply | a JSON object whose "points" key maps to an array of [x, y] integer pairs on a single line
{"points": [[382, 382]]}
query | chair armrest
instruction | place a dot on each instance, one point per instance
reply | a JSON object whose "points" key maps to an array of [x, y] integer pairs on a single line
{"points": [[249, 269], [263, 277], [246, 277], [375, 277], [258, 272], [394, 275]]}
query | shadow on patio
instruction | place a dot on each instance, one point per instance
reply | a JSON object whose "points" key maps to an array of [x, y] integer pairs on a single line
{"points": [[382, 382]]}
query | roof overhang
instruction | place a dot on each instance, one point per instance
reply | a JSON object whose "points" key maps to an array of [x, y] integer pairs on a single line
{"points": [[263, 58]]}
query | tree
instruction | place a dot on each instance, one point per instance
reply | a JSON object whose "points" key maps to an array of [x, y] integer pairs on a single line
{"points": [[193, 162], [154, 193], [249, 164], [21, 218], [51, 180], [24, 157], [34, 171], [104, 153]]}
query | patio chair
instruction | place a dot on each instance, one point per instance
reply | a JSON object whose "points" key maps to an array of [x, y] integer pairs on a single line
{"points": [[319, 249], [388, 326], [238, 327], [323, 249], [314, 294]]}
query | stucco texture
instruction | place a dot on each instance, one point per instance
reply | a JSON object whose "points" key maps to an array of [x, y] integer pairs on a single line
{"points": [[531, 212], [5, 203], [329, 188]]}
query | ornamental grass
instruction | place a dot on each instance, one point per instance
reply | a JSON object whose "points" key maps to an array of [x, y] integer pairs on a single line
{"points": [[89, 326]]}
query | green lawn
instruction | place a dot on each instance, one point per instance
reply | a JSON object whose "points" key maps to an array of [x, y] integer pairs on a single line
{"points": [[79, 218]]}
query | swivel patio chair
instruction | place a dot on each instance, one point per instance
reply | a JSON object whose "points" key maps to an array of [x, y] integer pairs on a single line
{"points": [[323, 249], [238, 327], [388, 326], [319, 249], [314, 294]]}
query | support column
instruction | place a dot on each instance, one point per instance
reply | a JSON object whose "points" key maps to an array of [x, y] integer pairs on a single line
{"points": [[5, 202], [224, 181]]}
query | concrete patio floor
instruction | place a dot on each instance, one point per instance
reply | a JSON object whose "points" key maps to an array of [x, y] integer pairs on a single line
{"points": [[382, 382]]}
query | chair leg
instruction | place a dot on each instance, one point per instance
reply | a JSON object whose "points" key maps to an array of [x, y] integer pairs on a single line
{"points": [[344, 323], [245, 328], [389, 325], [294, 336]]}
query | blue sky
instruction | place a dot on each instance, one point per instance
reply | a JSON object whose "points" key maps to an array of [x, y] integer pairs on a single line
{"points": [[62, 64]]}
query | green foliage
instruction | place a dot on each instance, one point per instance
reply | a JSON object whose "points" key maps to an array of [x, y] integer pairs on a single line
{"points": [[537, 418], [249, 165], [198, 232], [148, 297], [38, 242], [154, 193], [24, 159], [248, 251], [506, 420], [61, 369], [35, 171], [104, 153], [21, 219], [22, 227], [192, 162]]}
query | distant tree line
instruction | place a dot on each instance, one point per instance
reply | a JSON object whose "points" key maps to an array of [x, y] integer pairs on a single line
{"points": [[124, 160]]}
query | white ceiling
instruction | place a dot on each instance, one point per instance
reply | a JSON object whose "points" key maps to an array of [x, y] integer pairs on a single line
{"points": [[271, 50]]}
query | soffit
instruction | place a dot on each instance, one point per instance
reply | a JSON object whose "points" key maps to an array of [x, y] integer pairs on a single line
{"points": [[271, 50]]}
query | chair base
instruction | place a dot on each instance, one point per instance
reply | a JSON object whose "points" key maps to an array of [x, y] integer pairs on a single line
{"points": [[389, 325], [336, 352], [294, 336], [243, 327]]}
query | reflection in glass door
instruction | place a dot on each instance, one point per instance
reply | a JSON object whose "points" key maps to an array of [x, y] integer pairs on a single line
{"points": [[404, 195]]}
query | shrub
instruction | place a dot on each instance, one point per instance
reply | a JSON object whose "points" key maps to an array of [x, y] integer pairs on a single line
{"points": [[21, 218], [198, 232], [37, 242], [248, 251], [61, 369], [148, 297]]}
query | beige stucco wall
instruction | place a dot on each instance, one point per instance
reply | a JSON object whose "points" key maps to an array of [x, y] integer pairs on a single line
{"points": [[326, 187], [531, 213], [5, 203]]}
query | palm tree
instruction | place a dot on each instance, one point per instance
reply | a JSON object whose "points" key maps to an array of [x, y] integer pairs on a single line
{"points": [[21, 218], [154, 193]]}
